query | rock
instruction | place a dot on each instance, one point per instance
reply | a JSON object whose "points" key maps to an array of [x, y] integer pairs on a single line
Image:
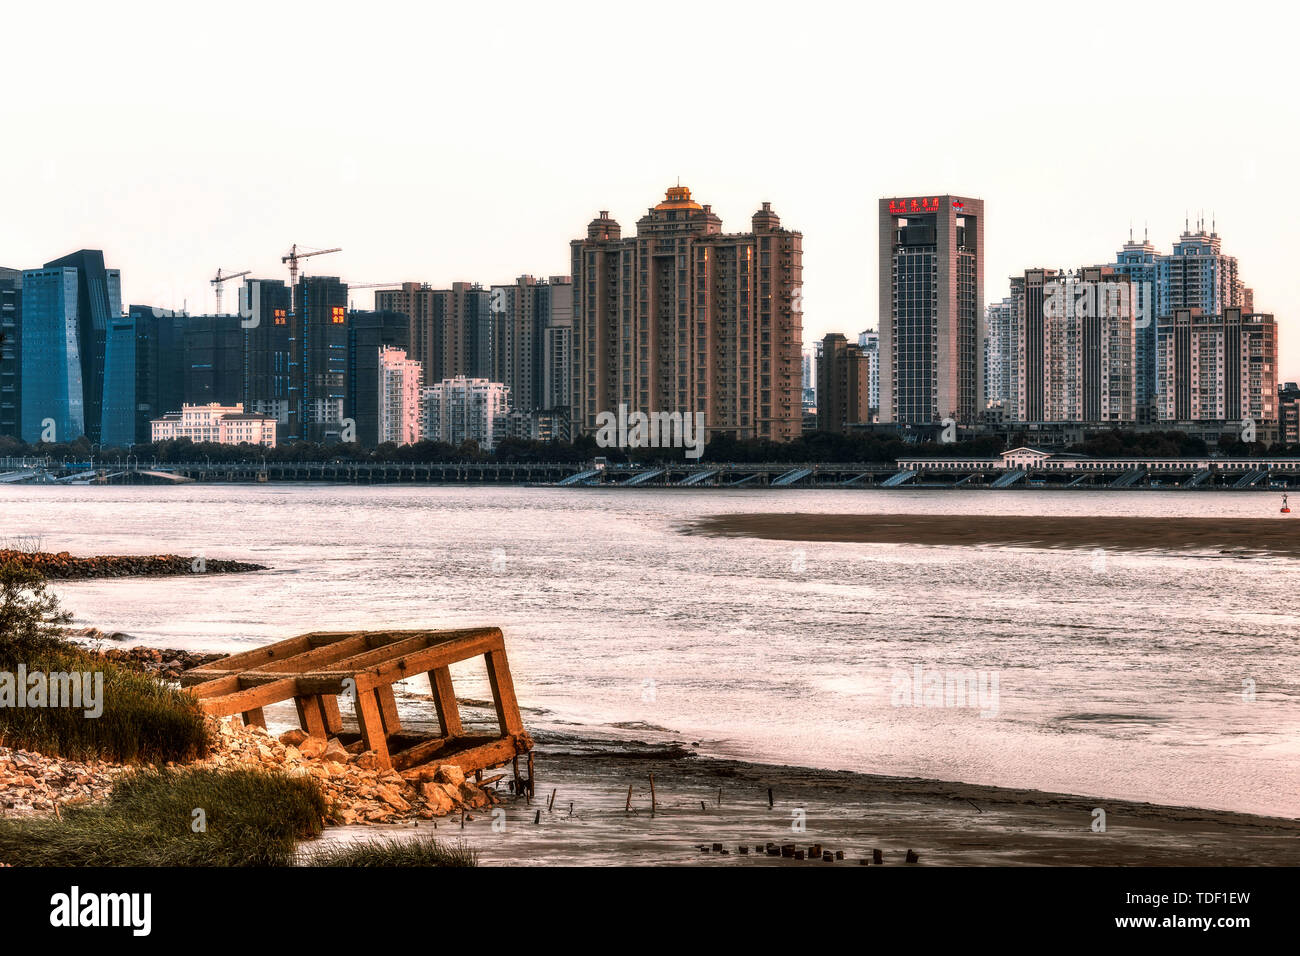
{"points": [[312, 747], [472, 796], [335, 751], [390, 795], [292, 738], [437, 800], [449, 773], [368, 760]]}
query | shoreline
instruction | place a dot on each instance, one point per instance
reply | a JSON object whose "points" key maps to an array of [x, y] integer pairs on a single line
{"points": [[1233, 536], [585, 814]]}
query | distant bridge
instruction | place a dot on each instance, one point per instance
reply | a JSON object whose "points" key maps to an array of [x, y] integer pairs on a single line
{"points": [[913, 473]]}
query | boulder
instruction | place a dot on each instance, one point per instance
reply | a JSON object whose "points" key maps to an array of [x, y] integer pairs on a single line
{"points": [[335, 751], [292, 738], [368, 760], [312, 747], [390, 795], [449, 773]]}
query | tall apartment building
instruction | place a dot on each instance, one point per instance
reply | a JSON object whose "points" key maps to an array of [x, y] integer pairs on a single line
{"points": [[213, 369], [66, 309], [522, 315], [843, 386], [11, 360], [464, 409], [451, 329], [557, 348], [369, 334], [931, 303], [683, 317], [1146, 269], [869, 343], [1000, 356], [318, 363], [399, 398], [1073, 352], [265, 306], [1218, 367], [1288, 413], [1199, 276], [144, 376]]}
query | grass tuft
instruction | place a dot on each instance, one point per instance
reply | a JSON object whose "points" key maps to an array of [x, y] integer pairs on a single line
{"points": [[152, 818], [392, 852], [143, 719]]}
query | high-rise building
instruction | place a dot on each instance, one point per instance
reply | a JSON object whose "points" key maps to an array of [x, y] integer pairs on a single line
{"points": [[265, 307], [1218, 368], [869, 343], [451, 329], [1000, 353], [66, 309], [11, 359], [318, 365], [685, 318], [463, 409], [399, 398], [931, 302], [843, 389], [1199, 276], [369, 334], [213, 369], [1072, 355], [1288, 413], [557, 350], [1146, 269], [144, 375]]}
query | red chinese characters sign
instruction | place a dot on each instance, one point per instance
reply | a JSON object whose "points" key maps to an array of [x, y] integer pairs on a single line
{"points": [[901, 207]]}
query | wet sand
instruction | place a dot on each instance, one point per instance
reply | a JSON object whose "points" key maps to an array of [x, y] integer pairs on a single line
{"points": [[1245, 536], [700, 802]]}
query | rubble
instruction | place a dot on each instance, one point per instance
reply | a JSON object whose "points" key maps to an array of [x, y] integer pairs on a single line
{"points": [[357, 788], [354, 786], [32, 783]]}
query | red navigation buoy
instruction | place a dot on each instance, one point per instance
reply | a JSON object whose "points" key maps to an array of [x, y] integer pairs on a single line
{"points": [[1285, 510]]}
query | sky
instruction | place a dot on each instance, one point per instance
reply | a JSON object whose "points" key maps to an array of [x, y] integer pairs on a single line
{"points": [[441, 142]]}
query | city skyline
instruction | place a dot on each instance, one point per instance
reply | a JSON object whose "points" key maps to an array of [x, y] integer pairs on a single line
{"points": [[140, 168]]}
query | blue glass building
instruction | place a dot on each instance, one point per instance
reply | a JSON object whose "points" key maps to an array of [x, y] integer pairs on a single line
{"points": [[67, 307]]}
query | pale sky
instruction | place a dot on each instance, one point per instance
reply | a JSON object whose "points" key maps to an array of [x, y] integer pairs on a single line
{"points": [[472, 142]]}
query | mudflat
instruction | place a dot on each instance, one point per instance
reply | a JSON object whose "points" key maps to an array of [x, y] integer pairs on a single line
{"points": [[1264, 536]]}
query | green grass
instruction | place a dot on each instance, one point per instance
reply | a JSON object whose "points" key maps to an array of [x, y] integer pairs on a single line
{"points": [[391, 852], [143, 719], [250, 818]]}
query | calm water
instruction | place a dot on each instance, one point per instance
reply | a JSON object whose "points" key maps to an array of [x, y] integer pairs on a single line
{"points": [[1119, 675]]}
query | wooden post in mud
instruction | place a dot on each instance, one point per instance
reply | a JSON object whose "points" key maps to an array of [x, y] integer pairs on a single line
{"points": [[550, 804], [532, 778], [629, 799], [770, 803], [653, 800]]}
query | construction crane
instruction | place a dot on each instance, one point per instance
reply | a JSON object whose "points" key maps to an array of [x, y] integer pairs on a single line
{"points": [[294, 255], [373, 285], [218, 279]]}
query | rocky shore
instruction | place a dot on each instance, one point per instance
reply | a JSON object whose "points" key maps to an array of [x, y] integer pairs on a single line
{"points": [[32, 783], [357, 790], [166, 662], [64, 566]]}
